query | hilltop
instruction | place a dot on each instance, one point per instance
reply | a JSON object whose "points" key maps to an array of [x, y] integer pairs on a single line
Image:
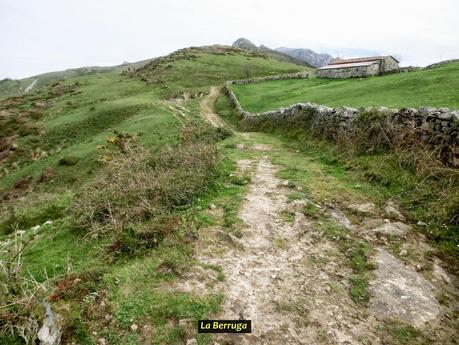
{"points": [[243, 43], [297, 55], [307, 55]]}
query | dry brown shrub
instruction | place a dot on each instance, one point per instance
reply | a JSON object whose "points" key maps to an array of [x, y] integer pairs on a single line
{"points": [[21, 295], [138, 185]]}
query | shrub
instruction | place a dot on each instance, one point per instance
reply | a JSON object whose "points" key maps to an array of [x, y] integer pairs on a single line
{"points": [[20, 295], [138, 185], [68, 160]]}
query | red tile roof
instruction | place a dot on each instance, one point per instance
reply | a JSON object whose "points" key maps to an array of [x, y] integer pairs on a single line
{"points": [[363, 59]]}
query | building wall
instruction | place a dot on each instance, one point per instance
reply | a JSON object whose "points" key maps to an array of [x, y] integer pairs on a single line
{"points": [[349, 72], [389, 64]]}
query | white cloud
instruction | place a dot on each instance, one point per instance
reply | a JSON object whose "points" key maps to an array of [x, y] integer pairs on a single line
{"points": [[46, 35]]}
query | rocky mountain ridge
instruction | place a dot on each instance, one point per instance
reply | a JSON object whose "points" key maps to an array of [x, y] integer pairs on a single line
{"points": [[307, 56]]}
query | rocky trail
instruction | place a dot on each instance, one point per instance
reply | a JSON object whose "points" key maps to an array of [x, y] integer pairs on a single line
{"points": [[207, 108], [292, 280]]}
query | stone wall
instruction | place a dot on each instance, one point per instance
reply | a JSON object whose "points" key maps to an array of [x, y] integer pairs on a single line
{"points": [[438, 127], [300, 75], [349, 72]]}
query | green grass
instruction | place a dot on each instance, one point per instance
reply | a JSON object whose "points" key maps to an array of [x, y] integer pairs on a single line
{"points": [[192, 70], [137, 280], [332, 174], [438, 87], [394, 332]]}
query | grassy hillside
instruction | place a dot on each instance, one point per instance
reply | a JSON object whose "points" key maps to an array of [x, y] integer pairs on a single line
{"points": [[104, 185], [192, 70], [438, 87], [16, 87]]}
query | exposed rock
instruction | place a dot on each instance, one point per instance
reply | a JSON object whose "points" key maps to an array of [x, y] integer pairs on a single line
{"points": [[50, 333], [392, 211], [367, 208], [395, 229], [440, 274], [134, 327], [244, 43], [297, 205], [399, 292], [341, 218], [420, 223], [191, 342], [307, 55]]}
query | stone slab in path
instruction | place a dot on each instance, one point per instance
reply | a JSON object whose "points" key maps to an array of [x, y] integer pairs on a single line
{"points": [[401, 293]]}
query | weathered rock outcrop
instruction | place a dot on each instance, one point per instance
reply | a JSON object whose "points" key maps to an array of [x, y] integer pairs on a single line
{"points": [[307, 55], [399, 292], [244, 43]]}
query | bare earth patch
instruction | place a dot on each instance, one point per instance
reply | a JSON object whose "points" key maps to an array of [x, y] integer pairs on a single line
{"points": [[281, 275], [207, 108]]}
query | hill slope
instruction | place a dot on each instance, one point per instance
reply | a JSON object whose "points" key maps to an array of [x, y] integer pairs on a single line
{"points": [[16, 87], [437, 87], [194, 69], [105, 180]]}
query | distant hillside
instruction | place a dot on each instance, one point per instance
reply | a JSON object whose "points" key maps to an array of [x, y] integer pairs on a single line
{"points": [[191, 69], [307, 55], [244, 43], [15, 87]]}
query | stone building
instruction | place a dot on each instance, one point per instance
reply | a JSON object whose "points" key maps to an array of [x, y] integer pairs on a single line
{"points": [[358, 67]]}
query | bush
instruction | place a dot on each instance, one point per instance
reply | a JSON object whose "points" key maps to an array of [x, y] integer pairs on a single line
{"points": [[68, 160], [20, 295], [138, 185]]}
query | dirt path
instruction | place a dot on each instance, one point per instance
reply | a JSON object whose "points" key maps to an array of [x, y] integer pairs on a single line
{"points": [[271, 279], [293, 282], [207, 111], [31, 86]]}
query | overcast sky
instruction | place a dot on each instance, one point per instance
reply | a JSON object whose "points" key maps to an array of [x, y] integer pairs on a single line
{"points": [[38, 36]]}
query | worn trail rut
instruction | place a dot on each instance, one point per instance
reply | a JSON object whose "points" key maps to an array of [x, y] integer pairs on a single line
{"points": [[269, 276], [207, 108], [293, 283]]}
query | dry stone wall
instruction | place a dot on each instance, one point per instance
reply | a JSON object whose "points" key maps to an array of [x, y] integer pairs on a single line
{"points": [[435, 126], [300, 75]]}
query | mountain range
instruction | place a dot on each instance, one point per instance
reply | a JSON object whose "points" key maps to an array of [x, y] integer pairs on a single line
{"points": [[304, 55]]}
